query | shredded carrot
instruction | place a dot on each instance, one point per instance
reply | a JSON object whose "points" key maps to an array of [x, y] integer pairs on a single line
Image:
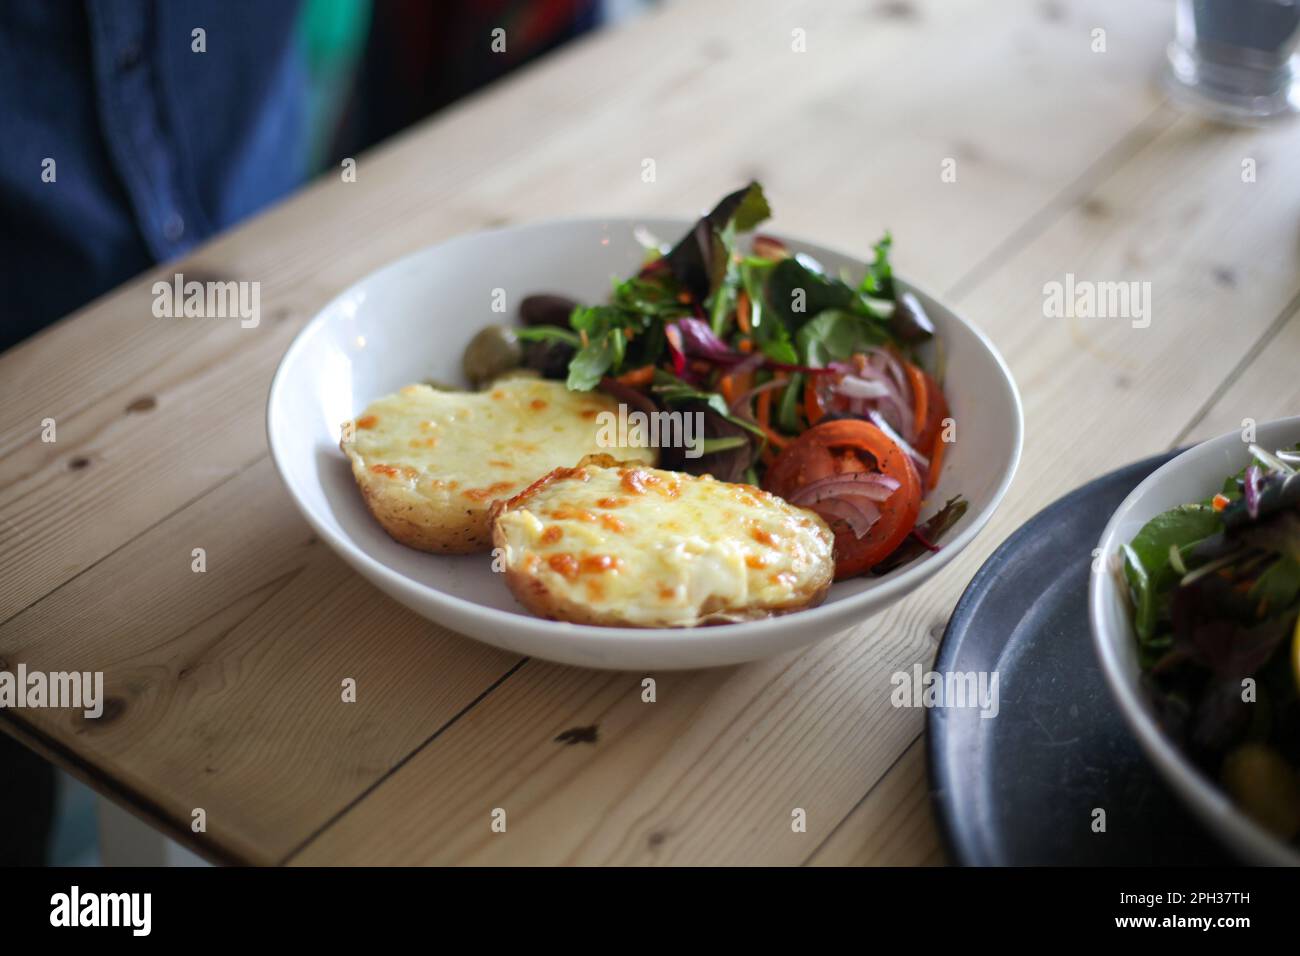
{"points": [[764, 414], [746, 346], [936, 461], [920, 395], [638, 376], [742, 311], [1219, 502], [812, 404], [684, 298], [733, 387]]}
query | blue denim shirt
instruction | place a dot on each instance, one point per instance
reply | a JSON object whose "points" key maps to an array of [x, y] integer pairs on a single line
{"points": [[155, 146]]}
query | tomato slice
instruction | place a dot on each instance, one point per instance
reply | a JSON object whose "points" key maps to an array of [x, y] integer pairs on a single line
{"points": [[838, 446]]}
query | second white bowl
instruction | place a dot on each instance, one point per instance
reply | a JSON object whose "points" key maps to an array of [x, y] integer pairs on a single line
{"points": [[1193, 476]]}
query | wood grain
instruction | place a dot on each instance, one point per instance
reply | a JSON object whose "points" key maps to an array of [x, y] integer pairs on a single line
{"points": [[225, 688], [1098, 392], [552, 141], [892, 825], [1266, 387], [227, 682]]}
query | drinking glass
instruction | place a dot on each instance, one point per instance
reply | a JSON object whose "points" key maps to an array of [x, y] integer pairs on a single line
{"points": [[1236, 59]]}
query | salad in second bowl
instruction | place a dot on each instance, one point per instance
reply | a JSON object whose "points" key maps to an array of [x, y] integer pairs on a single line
{"points": [[1215, 589]]}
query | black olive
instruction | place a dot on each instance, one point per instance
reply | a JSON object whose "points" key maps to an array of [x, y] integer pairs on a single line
{"points": [[546, 310], [549, 357], [909, 321]]}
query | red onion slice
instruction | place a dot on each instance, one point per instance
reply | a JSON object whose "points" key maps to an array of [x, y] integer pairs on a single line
{"points": [[875, 379], [1253, 476], [858, 513], [871, 485], [889, 364], [741, 405], [855, 387], [922, 463]]}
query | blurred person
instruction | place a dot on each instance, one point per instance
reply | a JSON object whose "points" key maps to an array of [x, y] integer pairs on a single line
{"points": [[131, 131]]}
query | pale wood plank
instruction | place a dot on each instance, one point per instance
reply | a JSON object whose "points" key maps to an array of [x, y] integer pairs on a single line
{"points": [[1098, 392], [712, 770], [551, 141], [1013, 163], [1267, 387], [892, 826], [225, 687], [1264, 384]]}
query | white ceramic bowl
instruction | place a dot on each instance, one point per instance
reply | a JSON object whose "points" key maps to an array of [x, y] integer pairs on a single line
{"points": [[411, 320], [1192, 476]]}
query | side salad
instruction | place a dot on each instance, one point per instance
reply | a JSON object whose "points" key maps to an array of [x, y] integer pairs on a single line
{"points": [[810, 385], [1215, 587]]}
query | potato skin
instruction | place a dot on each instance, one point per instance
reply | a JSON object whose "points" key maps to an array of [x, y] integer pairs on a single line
{"points": [[441, 527], [429, 463], [537, 597], [540, 600]]}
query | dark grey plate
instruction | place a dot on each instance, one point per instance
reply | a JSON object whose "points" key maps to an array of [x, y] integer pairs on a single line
{"points": [[1021, 788]]}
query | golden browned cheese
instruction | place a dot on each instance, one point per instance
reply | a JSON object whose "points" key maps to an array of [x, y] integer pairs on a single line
{"points": [[430, 463], [621, 543]]}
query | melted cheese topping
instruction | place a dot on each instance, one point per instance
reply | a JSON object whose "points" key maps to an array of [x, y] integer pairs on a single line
{"points": [[662, 549], [475, 447]]}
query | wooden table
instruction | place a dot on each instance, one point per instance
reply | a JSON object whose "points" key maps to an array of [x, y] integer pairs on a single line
{"points": [[224, 686]]}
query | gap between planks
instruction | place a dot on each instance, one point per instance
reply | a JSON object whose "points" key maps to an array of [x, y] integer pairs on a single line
{"points": [[346, 808], [1109, 162], [1106, 164]]}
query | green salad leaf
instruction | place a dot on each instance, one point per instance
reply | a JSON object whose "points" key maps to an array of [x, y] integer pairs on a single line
{"points": [[1147, 566], [796, 293], [1278, 586], [835, 335], [592, 361]]}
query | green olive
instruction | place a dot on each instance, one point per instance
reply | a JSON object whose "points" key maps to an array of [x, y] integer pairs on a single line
{"points": [[1265, 786], [515, 373], [494, 350]]}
